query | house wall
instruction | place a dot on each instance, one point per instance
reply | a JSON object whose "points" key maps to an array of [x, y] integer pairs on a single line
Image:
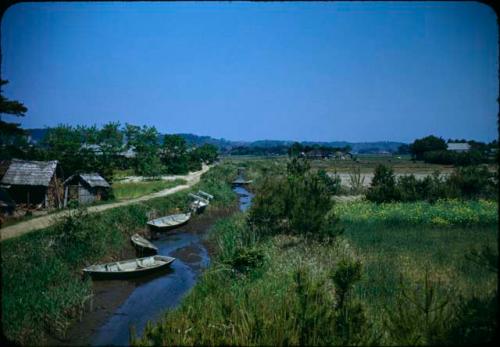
{"points": [[85, 196]]}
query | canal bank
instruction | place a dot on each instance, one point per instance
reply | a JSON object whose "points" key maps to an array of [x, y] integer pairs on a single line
{"points": [[120, 305]]}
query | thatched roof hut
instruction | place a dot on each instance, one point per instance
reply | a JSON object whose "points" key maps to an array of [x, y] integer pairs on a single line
{"points": [[34, 182], [85, 188]]}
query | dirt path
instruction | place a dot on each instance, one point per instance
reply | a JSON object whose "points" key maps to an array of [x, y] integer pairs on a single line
{"points": [[43, 222]]}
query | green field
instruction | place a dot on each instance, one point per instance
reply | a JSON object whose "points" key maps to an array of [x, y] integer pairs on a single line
{"points": [[124, 191]]}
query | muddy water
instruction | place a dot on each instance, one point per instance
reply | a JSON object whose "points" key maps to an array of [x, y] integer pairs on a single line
{"points": [[152, 295], [119, 305], [245, 197]]}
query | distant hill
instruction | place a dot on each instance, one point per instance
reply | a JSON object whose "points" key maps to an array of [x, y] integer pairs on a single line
{"points": [[226, 145]]}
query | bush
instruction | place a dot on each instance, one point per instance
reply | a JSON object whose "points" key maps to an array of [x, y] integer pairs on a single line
{"points": [[298, 203], [383, 186], [445, 157], [332, 183], [473, 182]]}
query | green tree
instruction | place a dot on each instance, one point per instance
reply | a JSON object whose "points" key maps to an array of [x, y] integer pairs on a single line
{"points": [[206, 153], [13, 108], [174, 154], [144, 141], [295, 149], [426, 144], [383, 186]]}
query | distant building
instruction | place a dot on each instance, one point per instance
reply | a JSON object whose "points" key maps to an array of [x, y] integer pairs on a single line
{"points": [[458, 147], [85, 188], [37, 183]]}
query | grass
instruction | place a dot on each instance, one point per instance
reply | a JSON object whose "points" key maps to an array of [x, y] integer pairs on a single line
{"points": [[279, 290], [393, 253], [262, 305], [42, 286], [443, 213], [125, 191]]}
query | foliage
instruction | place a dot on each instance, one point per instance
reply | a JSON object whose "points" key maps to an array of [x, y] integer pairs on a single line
{"points": [[426, 144], [464, 183], [473, 182], [297, 203], [286, 301], [10, 132], [206, 153], [144, 141], [383, 186], [421, 315], [356, 181], [445, 157], [332, 183], [444, 213]]}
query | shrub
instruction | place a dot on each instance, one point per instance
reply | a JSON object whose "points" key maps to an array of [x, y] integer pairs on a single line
{"points": [[298, 203], [473, 182], [332, 183], [383, 186]]}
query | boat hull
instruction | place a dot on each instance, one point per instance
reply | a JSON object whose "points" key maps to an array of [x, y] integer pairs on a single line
{"points": [[162, 227], [120, 275]]}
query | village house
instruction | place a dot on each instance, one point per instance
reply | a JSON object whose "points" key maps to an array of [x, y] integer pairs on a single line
{"points": [[34, 183], [458, 147], [85, 188]]}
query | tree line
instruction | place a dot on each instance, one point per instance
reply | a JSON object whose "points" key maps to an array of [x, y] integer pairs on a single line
{"points": [[434, 150], [111, 147]]}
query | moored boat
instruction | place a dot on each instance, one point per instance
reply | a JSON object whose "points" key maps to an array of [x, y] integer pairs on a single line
{"points": [[205, 195], [129, 268], [198, 205], [241, 181], [142, 244], [171, 221]]}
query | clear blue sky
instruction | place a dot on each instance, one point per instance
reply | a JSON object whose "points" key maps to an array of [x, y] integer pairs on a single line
{"points": [[246, 71]]}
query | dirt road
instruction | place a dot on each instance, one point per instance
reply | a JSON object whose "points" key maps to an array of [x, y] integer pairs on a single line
{"points": [[43, 222]]}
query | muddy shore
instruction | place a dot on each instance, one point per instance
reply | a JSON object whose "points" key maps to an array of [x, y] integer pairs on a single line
{"points": [[110, 295]]}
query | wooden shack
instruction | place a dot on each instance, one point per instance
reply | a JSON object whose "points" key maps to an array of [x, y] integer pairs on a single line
{"points": [[85, 188], [34, 183]]}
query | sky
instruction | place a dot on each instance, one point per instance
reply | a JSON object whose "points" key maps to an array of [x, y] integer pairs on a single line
{"points": [[322, 71]]}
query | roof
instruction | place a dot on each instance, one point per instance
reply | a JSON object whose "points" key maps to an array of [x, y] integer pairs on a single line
{"points": [[457, 146], [93, 179], [30, 173]]}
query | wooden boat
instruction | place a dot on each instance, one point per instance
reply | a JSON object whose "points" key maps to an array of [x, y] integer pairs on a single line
{"points": [[142, 244], [170, 221], [198, 205], [129, 268], [241, 181], [205, 195]]}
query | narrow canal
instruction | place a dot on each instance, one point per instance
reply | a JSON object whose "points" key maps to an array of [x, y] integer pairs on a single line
{"points": [[148, 297]]}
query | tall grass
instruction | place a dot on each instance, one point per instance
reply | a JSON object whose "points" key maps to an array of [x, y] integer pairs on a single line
{"points": [[123, 191], [42, 286], [288, 298]]}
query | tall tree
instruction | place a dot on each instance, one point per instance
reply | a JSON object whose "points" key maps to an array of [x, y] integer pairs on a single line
{"points": [[144, 141], [9, 131], [426, 144], [174, 154]]}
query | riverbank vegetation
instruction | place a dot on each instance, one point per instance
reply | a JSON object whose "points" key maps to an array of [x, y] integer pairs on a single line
{"points": [[42, 286], [415, 273]]}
